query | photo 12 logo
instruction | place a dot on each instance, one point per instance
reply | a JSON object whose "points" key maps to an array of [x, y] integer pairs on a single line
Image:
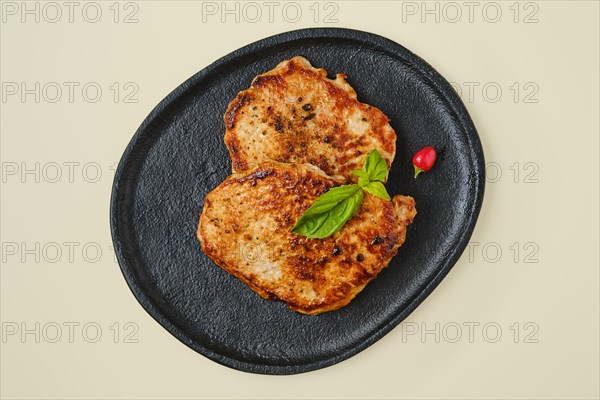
{"points": [[469, 332], [52, 252], [494, 92], [453, 12], [69, 92], [493, 252], [270, 11], [53, 12], [69, 332], [55, 172]]}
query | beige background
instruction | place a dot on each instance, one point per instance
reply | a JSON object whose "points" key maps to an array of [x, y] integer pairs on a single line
{"points": [[550, 288]]}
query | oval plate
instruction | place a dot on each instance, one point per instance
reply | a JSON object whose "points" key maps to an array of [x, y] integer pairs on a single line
{"points": [[177, 156]]}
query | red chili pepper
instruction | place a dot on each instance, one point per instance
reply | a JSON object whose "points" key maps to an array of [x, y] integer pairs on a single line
{"points": [[424, 159]]}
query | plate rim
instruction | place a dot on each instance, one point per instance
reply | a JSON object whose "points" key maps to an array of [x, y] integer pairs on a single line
{"points": [[477, 179]]}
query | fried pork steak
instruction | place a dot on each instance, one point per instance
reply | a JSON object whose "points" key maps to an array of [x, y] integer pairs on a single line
{"points": [[295, 114], [246, 223]]}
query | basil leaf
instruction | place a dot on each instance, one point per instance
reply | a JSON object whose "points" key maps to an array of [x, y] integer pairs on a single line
{"points": [[330, 199], [363, 177], [333, 209], [330, 212], [377, 189], [375, 167]]}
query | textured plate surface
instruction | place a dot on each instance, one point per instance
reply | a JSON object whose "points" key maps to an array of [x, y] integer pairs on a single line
{"points": [[177, 156]]}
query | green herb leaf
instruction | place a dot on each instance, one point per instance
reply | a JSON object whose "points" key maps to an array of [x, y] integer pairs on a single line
{"points": [[377, 189], [374, 169], [375, 166], [333, 209], [330, 212], [363, 177], [330, 199]]}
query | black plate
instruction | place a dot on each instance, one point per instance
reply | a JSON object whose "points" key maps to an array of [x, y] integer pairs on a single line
{"points": [[177, 156]]}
